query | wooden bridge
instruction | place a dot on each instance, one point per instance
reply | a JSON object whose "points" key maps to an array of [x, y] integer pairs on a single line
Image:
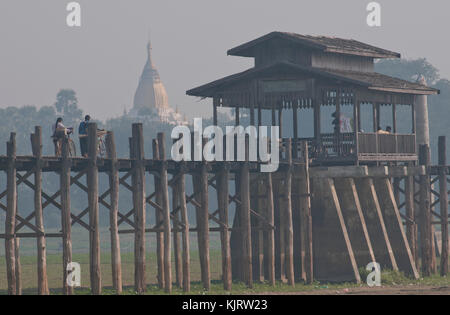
{"points": [[298, 224]]}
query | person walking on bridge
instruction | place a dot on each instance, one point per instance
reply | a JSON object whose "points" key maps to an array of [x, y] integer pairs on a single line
{"points": [[83, 136]]}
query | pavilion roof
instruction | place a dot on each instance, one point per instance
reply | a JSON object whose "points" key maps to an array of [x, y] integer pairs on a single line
{"points": [[371, 80]]}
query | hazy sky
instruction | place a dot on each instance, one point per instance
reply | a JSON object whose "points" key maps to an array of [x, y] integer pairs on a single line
{"points": [[102, 60]]}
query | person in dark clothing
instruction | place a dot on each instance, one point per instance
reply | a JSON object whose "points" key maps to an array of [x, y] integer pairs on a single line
{"points": [[82, 135]]}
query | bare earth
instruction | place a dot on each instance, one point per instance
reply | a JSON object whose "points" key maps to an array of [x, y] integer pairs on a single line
{"points": [[391, 290]]}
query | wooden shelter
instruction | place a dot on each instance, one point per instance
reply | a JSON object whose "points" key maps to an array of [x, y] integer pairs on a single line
{"points": [[295, 72]]}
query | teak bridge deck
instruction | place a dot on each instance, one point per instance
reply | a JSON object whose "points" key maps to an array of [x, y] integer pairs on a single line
{"points": [[297, 224]]}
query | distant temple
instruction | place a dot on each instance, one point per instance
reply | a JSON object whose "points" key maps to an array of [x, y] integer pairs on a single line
{"points": [[150, 99]]}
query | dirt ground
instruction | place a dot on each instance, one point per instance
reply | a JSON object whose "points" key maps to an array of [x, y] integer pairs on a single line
{"points": [[391, 290]]}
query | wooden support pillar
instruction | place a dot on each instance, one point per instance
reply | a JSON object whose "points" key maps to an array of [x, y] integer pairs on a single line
{"points": [[306, 244], [138, 181], [166, 214], [18, 266], [159, 218], [258, 256], [426, 236], [354, 220], [287, 214], [203, 226], [394, 118], [36, 145], [280, 120], [223, 202], [443, 204], [394, 227], [10, 222], [270, 244], [116, 261], [66, 222], [376, 226], [94, 233], [215, 105], [185, 232], [177, 251], [334, 259], [244, 175], [411, 225]]}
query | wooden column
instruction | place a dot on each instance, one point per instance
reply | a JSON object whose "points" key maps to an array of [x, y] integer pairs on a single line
{"points": [[166, 214], [36, 144], [94, 233], [287, 211], [18, 266], [394, 118], [138, 184], [116, 261], [215, 104], [185, 233], [306, 218], [270, 244], [426, 237], [411, 225], [66, 222], [223, 202], [280, 120], [204, 227], [177, 251], [245, 220], [443, 203], [158, 219], [10, 223]]}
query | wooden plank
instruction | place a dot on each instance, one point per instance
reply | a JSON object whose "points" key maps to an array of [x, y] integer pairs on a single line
{"points": [[138, 180], [443, 204], [166, 215], [66, 225], [223, 202], [10, 221], [116, 260], [177, 250], [94, 233], [204, 228], [36, 143]]}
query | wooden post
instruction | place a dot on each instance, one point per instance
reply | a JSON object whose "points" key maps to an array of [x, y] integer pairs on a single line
{"points": [[166, 214], [10, 223], [411, 225], [204, 228], [185, 234], [116, 261], [138, 181], [158, 219], [426, 236], [177, 251], [306, 218], [245, 220], [94, 234], [443, 204], [270, 246], [288, 216], [66, 222], [18, 266], [36, 144], [223, 201]]}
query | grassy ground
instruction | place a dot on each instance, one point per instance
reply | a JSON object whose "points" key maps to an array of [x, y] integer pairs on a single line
{"points": [[80, 250]]}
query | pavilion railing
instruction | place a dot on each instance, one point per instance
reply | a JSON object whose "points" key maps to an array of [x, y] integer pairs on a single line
{"points": [[374, 143]]}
